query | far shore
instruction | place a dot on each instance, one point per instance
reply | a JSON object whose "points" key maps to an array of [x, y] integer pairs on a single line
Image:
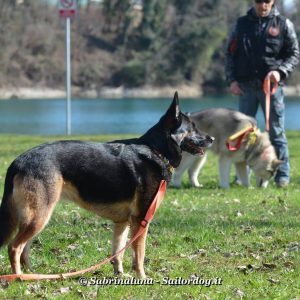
{"points": [[185, 91]]}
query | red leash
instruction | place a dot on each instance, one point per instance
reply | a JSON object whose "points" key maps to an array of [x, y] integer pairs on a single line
{"points": [[148, 217], [234, 142], [268, 92]]}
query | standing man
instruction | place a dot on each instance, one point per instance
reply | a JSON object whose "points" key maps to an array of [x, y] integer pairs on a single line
{"points": [[263, 44]]}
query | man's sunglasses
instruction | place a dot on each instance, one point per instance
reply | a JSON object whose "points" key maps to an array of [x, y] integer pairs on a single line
{"points": [[263, 1]]}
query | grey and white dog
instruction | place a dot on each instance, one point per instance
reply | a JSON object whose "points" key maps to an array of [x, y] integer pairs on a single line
{"points": [[255, 151]]}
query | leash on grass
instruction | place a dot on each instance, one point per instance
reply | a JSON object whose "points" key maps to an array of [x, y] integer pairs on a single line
{"points": [[269, 90], [143, 225]]}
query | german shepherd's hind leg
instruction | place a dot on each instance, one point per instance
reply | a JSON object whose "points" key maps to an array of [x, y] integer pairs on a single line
{"points": [[120, 234], [33, 201], [25, 262], [138, 247], [17, 247]]}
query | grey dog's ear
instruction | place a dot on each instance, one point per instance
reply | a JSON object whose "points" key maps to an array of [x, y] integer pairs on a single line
{"points": [[276, 163]]}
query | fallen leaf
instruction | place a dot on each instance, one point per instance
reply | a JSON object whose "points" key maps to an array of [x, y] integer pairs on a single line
{"points": [[269, 233], [217, 249], [33, 288], [239, 293], [56, 251], [253, 267], [163, 270], [239, 214], [4, 284], [227, 254], [201, 252], [260, 245], [288, 264], [175, 202], [194, 276], [73, 246], [243, 269], [65, 261], [106, 226], [269, 265], [191, 257], [256, 256], [64, 290], [274, 281], [91, 295], [293, 246], [247, 229]]}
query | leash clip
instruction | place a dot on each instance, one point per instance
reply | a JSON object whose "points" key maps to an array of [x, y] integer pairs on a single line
{"points": [[144, 223], [234, 142]]}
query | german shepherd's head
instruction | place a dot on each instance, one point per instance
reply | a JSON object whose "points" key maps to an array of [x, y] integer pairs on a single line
{"points": [[176, 132]]}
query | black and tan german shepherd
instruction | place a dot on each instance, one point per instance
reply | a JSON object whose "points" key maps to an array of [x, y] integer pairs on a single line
{"points": [[116, 180]]}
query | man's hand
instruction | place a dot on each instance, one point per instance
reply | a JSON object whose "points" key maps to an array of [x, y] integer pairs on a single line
{"points": [[274, 76], [235, 89]]}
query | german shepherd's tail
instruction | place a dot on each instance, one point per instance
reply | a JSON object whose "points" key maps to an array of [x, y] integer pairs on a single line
{"points": [[7, 226]]}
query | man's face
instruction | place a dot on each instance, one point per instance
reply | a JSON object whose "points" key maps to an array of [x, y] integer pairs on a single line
{"points": [[263, 7]]}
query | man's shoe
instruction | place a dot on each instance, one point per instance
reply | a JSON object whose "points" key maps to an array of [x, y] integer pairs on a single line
{"points": [[282, 184]]}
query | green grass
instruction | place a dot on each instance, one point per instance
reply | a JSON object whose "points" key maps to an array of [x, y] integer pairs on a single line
{"points": [[247, 237]]}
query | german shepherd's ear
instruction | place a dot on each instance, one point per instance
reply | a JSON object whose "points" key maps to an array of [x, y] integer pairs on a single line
{"points": [[172, 115]]}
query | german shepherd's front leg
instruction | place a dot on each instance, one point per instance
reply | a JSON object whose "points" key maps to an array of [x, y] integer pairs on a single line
{"points": [[119, 241], [138, 247]]}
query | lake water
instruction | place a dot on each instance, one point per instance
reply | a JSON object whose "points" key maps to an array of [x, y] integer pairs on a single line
{"points": [[106, 116]]}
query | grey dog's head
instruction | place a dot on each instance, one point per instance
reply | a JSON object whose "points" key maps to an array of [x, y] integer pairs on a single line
{"points": [[266, 163]]}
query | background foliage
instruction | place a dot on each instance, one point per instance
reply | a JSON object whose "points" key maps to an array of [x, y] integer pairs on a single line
{"points": [[120, 42]]}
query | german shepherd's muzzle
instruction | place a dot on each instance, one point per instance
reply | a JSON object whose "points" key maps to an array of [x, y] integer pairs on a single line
{"points": [[116, 180]]}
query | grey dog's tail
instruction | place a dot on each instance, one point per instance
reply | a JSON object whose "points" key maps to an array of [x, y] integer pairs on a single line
{"points": [[6, 224]]}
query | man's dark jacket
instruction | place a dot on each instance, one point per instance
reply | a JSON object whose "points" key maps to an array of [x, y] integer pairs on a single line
{"points": [[258, 45]]}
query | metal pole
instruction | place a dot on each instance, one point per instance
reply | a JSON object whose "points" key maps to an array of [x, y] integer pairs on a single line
{"points": [[68, 74]]}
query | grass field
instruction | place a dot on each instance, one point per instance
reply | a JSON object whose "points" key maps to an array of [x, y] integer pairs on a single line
{"points": [[246, 239]]}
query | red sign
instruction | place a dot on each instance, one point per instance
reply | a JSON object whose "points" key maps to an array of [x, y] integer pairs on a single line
{"points": [[67, 8]]}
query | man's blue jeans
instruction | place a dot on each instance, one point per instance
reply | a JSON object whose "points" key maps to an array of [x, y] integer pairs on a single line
{"points": [[248, 104]]}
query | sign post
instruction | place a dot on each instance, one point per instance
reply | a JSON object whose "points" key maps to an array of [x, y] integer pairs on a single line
{"points": [[67, 9]]}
